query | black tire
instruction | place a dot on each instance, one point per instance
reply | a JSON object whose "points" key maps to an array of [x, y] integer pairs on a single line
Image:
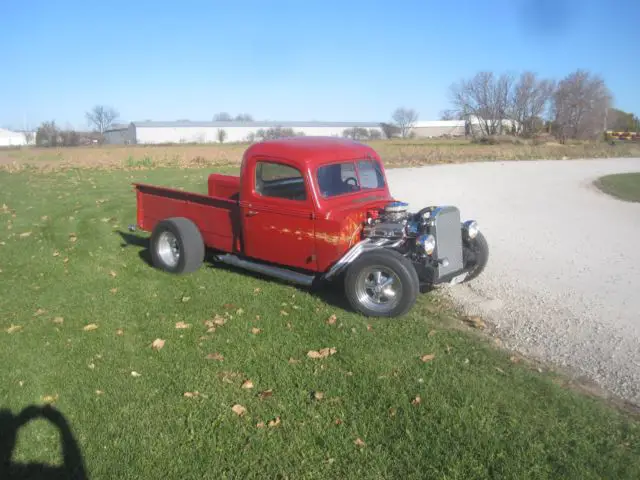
{"points": [[480, 251], [188, 241], [391, 265]]}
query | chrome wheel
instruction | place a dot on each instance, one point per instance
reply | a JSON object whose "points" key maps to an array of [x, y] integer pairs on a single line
{"points": [[378, 288], [168, 249]]}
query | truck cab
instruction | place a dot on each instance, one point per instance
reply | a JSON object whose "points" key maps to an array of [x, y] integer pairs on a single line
{"points": [[309, 210]]}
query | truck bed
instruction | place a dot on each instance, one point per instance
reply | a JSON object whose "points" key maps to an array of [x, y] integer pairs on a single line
{"points": [[216, 216]]}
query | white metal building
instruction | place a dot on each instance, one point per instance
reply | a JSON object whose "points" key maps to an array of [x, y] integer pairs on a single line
{"points": [[9, 138], [208, 132], [439, 128]]}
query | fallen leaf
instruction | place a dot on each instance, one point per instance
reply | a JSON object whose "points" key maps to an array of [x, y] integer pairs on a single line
{"points": [[239, 311], [295, 307], [182, 325], [332, 320], [91, 366], [114, 290], [136, 374], [274, 423], [191, 394], [416, 401], [257, 290], [257, 317], [318, 395], [58, 320], [498, 342], [218, 320], [14, 328], [239, 409], [66, 260], [499, 369], [282, 312], [185, 299], [119, 332], [514, 359], [392, 412], [40, 311], [476, 322], [229, 306], [73, 237], [369, 328], [260, 424], [247, 384], [289, 326], [338, 421], [428, 357], [432, 333], [322, 353], [99, 392], [211, 330], [293, 361], [50, 398], [25, 234], [359, 442], [157, 344], [90, 327], [256, 331], [56, 253], [215, 356], [265, 394], [44, 218]]}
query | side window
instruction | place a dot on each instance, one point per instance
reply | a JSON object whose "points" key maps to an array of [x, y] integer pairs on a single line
{"points": [[280, 181], [370, 174]]}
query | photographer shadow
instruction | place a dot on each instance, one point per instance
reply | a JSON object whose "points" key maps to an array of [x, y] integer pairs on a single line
{"points": [[73, 464]]}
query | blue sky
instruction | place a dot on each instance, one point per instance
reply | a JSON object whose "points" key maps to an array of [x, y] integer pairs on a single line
{"points": [[346, 60]]}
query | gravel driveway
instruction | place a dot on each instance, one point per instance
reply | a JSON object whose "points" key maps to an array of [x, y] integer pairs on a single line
{"points": [[563, 280]]}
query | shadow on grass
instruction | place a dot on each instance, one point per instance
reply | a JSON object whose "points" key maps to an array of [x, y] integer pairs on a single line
{"points": [[330, 293], [73, 464]]}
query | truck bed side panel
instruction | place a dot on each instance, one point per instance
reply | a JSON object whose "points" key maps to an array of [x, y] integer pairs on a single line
{"points": [[218, 219]]}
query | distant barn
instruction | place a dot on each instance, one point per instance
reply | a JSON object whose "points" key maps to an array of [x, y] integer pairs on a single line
{"points": [[234, 131]]}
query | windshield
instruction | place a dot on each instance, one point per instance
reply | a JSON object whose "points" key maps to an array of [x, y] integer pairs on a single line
{"points": [[347, 177]]}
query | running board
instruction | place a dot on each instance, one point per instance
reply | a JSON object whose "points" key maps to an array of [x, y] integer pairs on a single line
{"points": [[277, 272]]}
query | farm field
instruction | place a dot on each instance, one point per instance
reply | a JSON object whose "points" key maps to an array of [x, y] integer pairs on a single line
{"points": [[394, 153], [226, 374]]}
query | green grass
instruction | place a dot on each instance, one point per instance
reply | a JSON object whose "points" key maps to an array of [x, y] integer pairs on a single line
{"points": [[625, 186], [480, 415]]}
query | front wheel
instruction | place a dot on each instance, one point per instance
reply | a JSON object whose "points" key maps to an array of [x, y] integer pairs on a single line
{"points": [[477, 256], [381, 283]]}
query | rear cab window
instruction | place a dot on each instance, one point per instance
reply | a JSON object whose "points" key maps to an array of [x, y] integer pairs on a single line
{"points": [[350, 176]]}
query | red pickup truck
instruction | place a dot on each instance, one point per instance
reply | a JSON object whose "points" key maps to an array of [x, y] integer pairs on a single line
{"points": [[309, 210]]}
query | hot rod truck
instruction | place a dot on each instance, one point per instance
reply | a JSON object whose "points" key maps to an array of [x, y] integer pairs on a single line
{"points": [[309, 210]]}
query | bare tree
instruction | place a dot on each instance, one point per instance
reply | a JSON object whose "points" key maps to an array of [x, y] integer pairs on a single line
{"points": [[48, 135], [222, 117], [222, 135], [580, 105], [450, 115], [389, 130], [29, 137], [101, 117], [485, 97], [529, 102], [243, 117], [405, 119]]}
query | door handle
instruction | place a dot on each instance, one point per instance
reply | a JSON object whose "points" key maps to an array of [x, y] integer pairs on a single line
{"points": [[251, 213]]}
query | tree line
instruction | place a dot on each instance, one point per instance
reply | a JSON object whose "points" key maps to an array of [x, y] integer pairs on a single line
{"points": [[576, 107]]}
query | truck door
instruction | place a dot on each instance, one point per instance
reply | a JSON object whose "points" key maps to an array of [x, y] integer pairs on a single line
{"points": [[278, 216]]}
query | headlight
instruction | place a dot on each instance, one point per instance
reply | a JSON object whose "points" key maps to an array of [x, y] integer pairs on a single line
{"points": [[427, 243], [471, 226]]}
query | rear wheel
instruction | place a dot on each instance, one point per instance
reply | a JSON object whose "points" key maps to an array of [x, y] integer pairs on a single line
{"points": [[177, 246], [381, 284]]}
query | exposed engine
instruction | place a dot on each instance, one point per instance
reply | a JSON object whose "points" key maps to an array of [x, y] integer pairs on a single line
{"points": [[392, 222]]}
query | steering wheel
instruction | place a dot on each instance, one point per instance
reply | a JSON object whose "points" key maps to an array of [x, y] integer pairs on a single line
{"points": [[352, 185]]}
